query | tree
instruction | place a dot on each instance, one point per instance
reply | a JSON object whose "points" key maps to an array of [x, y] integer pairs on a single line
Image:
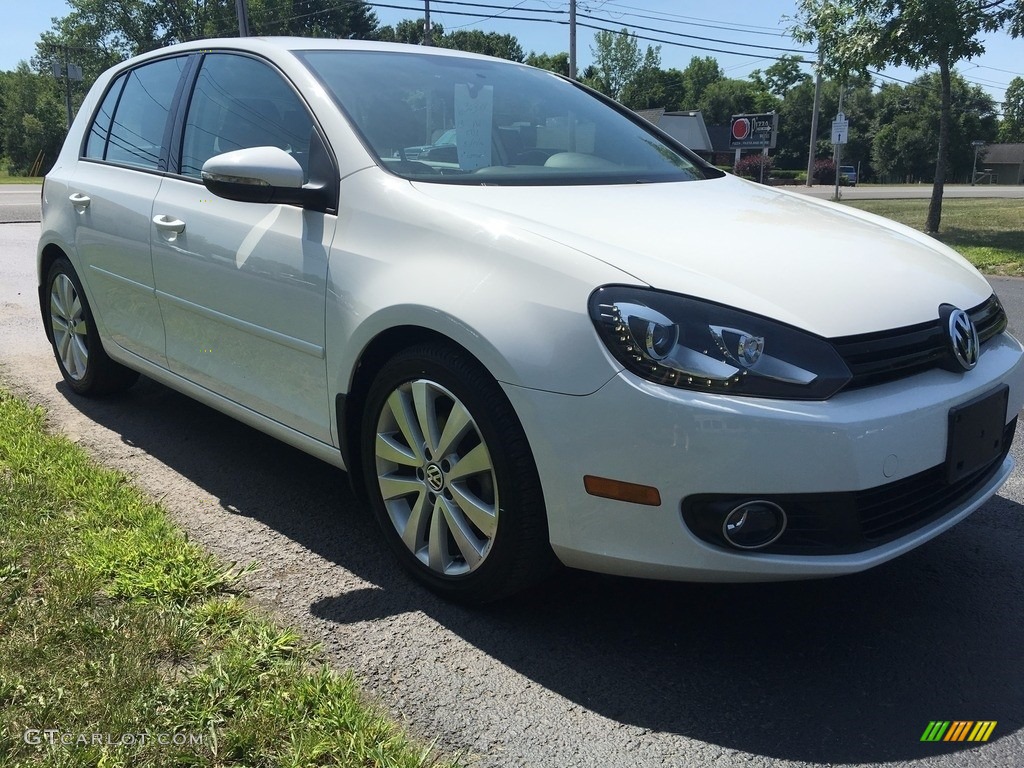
{"points": [[905, 140], [488, 43], [408, 31], [617, 59], [725, 98], [646, 89], [32, 119], [781, 76], [557, 62], [857, 34], [1012, 127], [101, 33], [312, 18], [700, 73]]}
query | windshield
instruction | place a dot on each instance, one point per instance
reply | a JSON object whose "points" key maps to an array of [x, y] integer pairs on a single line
{"points": [[458, 120]]}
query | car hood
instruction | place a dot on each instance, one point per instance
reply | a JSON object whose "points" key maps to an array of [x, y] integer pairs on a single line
{"points": [[829, 269]]}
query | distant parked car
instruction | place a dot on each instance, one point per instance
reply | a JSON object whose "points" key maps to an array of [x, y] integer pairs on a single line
{"points": [[446, 140], [570, 339], [849, 174]]}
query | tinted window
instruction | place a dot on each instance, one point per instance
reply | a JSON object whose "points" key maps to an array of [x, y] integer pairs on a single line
{"points": [[460, 120], [239, 102], [99, 131], [136, 132]]}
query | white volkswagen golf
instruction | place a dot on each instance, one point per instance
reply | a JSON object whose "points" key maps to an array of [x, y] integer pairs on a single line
{"points": [[557, 335]]}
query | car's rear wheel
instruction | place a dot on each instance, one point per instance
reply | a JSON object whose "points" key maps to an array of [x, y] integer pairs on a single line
{"points": [[451, 477], [76, 342]]}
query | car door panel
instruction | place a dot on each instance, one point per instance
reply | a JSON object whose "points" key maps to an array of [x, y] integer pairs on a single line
{"points": [[242, 286], [242, 289]]}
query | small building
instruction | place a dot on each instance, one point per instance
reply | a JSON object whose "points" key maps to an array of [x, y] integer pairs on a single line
{"points": [[1004, 161]]}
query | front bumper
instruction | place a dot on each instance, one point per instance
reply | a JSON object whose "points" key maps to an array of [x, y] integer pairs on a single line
{"points": [[685, 443]]}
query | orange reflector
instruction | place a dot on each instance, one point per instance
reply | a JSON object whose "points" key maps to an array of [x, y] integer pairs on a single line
{"points": [[622, 491]]}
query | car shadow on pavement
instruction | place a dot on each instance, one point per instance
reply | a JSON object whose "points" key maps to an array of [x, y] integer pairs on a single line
{"points": [[847, 670]]}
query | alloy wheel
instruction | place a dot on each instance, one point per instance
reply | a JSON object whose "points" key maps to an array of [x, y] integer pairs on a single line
{"points": [[436, 477]]}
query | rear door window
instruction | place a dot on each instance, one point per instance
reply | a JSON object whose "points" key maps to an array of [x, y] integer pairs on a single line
{"points": [[130, 126]]}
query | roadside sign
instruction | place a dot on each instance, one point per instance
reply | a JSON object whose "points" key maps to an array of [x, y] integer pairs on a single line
{"points": [[753, 131], [840, 129]]}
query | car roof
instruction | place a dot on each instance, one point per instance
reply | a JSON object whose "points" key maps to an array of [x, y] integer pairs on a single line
{"points": [[271, 46]]}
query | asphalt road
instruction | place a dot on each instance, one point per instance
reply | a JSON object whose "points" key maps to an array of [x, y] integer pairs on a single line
{"points": [[590, 670], [19, 203], [911, 191]]}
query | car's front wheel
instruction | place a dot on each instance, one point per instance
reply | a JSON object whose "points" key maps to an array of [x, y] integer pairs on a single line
{"points": [[76, 342], [451, 477]]}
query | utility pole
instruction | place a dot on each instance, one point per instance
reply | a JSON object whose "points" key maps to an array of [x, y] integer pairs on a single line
{"points": [[572, 39], [242, 9], [813, 150], [427, 39]]}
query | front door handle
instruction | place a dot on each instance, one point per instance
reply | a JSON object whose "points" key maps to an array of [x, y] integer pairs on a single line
{"points": [[80, 201], [169, 224], [169, 227]]}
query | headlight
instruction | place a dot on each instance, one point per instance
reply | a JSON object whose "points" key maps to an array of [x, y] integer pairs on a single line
{"points": [[685, 342]]}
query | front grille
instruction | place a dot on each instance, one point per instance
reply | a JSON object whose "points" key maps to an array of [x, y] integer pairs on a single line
{"points": [[844, 523], [875, 358]]}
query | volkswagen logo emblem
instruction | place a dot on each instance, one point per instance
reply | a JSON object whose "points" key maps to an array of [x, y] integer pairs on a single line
{"points": [[963, 339], [435, 477]]}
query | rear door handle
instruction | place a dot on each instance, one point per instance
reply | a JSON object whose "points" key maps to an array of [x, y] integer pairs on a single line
{"points": [[80, 201], [169, 224]]}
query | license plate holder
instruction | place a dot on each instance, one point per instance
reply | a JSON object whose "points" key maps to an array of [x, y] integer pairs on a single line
{"points": [[976, 433]]}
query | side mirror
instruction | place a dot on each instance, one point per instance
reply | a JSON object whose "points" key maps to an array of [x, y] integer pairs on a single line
{"points": [[257, 175]]}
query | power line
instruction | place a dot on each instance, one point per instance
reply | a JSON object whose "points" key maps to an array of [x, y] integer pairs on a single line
{"points": [[698, 37]]}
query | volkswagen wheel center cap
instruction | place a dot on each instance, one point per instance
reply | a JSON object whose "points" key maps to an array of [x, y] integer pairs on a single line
{"points": [[963, 338]]}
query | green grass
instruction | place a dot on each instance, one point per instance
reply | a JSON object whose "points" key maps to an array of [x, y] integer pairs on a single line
{"points": [[112, 624], [6, 179], [988, 232]]}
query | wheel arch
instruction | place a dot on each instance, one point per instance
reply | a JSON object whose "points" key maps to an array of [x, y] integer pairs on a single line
{"points": [[50, 253], [349, 406]]}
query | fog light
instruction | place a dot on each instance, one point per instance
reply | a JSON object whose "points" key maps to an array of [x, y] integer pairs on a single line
{"points": [[754, 524]]}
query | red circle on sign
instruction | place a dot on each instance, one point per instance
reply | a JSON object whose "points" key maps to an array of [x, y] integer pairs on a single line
{"points": [[741, 128]]}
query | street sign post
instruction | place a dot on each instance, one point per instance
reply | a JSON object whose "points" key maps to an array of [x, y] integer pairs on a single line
{"points": [[840, 129]]}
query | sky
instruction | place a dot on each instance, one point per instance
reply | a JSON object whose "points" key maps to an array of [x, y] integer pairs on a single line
{"points": [[741, 24]]}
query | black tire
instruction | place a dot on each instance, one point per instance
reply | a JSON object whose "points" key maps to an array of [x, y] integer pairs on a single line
{"points": [[440, 493], [76, 342]]}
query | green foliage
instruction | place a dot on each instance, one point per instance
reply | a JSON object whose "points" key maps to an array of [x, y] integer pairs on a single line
{"points": [[555, 62], [411, 32], [111, 623], [857, 34], [1011, 129], [407, 31], [906, 139], [32, 120], [727, 97], [488, 43], [619, 64], [99, 33], [699, 74], [647, 88], [781, 76]]}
